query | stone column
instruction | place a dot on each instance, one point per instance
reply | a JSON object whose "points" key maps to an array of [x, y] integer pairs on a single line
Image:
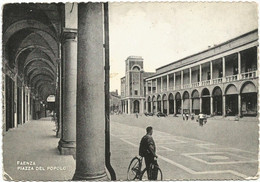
{"points": [[174, 105], [152, 107], [200, 74], [211, 105], [190, 106], [211, 71], [174, 81], [129, 106], [161, 84], [90, 125], [239, 105], [23, 112], [200, 104], [147, 105], [167, 83], [239, 65], [67, 143], [224, 105], [190, 75], [168, 107], [162, 105], [125, 103], [182, 106], [224, 69], [29, 104], [156, 86], [142, 106], [182, 79]]}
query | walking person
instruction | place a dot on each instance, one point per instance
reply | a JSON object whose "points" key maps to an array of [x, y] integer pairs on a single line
{"points": [[147, 150]]}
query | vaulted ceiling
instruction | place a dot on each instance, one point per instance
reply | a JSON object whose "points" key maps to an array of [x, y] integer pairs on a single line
{"points": [[31, 43]]}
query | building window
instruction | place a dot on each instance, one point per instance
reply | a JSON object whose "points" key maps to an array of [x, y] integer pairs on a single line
{"points": [[136, 92]]}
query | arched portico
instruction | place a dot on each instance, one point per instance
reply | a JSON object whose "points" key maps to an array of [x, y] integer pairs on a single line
{"points": [[164, 104], [171, 103], [136, 106], [195, 102], [217, 101], [178, 103], [205, 95], [231, 94], [186, 102], [159, 103], [248, 99]]}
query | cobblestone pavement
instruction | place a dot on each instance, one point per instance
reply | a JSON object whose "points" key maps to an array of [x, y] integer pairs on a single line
{"points": [[221, 149]]}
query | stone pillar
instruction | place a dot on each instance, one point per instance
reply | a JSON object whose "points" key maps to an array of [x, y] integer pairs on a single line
{"points": [[200, 104], [174, 81], [156, 86], [146, 89], [224, 67], [161, 84], [147, 105], [182, 79], [142, 106], [211, 71], [162, 105], [152, 107], [168, 107], [182, 106], [125, 102], [200, 74], [23, 112], [167, 83], [67, 143], [129, 106], [90, 125], [174, 105], [190, 75], [239, 65], [224, 105], [211, 105], [29, 104], [15, 102], [239, 105], [190, 106]]}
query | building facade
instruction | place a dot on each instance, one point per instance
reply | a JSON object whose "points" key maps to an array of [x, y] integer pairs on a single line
{"points": [[222, 80], [115, 102], [132, 86]]}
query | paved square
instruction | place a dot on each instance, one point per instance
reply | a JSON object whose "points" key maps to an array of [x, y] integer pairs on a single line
{"points": [[186, 150]]}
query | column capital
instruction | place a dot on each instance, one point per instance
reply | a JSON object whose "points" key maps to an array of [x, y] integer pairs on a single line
{"points": [[68, 34]]}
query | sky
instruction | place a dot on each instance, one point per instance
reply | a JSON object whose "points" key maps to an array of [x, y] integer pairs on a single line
{"points": [[165, 32]]}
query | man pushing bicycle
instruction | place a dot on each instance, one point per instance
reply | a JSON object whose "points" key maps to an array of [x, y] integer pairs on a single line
{"points": [[147, 149]]}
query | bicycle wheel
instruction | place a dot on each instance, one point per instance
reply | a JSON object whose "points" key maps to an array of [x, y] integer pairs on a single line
{"points": [[144, 175], [133, 171]]}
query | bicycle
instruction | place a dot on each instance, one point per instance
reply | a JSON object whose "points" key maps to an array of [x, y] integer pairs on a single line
{"points": [[135, 171]]}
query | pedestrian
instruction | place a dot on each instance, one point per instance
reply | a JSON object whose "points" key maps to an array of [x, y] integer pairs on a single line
{"points": [[136, 115], [192, 116], [187, 116], [183, 117], [147, 149], [201, 118]]}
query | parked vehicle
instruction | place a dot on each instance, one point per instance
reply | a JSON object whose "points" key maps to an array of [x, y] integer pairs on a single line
{"points": [[148, 114], [160, 114]]}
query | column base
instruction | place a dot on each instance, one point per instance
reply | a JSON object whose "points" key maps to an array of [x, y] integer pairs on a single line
{"points": [[78, 176], [67, 148], [58, 134]]}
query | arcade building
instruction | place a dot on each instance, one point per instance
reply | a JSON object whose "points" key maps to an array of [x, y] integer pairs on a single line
{"points": [[220, 81], [59, 50]]}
